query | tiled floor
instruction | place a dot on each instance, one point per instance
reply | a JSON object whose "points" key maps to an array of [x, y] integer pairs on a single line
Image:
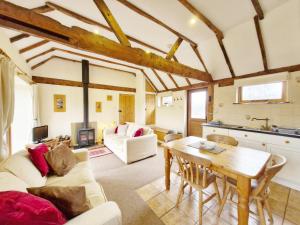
{"points": [[284, 202]]}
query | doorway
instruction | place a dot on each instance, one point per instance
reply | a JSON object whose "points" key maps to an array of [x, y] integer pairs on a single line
{"points": [[126, 108], [150, 109], [197, 111]]}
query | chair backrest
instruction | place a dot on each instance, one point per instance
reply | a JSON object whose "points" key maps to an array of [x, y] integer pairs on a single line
{"points": [[193, 169], [275, 165], [222, 139], [172, 137]]}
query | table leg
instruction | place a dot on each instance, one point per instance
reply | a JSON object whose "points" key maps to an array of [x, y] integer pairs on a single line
{"points": [[244, 188], [167, 168]]}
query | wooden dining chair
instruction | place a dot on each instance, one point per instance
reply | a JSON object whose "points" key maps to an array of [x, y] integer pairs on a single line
{"points": [[195, 172], [259, 188], [222, 139]]}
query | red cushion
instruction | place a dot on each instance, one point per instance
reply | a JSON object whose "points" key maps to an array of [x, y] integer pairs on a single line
{"points": [[116, 130], [38, 159], [139, 132], [19, 208]]}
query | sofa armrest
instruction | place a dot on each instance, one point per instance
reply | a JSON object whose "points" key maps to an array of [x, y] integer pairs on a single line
{"points": [[105, 214], [81, 154], [108, 131]]}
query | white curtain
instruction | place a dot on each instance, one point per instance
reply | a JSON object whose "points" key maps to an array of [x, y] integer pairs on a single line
{"points": [[7, 75]]}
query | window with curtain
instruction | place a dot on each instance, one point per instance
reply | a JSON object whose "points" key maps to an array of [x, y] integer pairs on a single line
{"points": [[21, 129]]}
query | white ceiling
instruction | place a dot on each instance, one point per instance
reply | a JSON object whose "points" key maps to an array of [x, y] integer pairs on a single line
{"points": [[280, 30]]}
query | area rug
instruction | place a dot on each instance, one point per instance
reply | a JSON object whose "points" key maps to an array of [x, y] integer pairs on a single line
{"points": [[98, 151]]}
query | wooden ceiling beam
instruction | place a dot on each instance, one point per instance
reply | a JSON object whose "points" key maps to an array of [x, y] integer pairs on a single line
{"points": [[258, 9], [195, 49], [112, 22], [40, 54], [174, 48], [189, 87], [95, 65], [203, 18], [188, 81], [149, 80], [173, 80], [27, 21], [42, 9], [33, 46], [95, 23], [41, 63], [160, 80], [153, 19], [261, 42], [18, 37], [226, 57]]}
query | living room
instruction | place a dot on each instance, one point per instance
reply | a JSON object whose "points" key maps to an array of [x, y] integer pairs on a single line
{"points": [[149, 112]]}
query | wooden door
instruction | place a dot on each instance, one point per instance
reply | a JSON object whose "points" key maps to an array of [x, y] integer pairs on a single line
{"points": [[150, 109], [126, 108], [197, 111]]}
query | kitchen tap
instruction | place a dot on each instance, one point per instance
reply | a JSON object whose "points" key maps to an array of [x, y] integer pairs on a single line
{"points": [[263, 127]]}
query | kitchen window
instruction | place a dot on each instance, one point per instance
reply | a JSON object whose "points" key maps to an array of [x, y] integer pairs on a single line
{"points": [[167, 100], [268, 93]]}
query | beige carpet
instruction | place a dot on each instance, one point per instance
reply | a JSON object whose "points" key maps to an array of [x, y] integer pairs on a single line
{"points": [[120, 181]]}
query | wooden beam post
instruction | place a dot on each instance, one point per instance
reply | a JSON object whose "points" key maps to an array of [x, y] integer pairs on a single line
{"points": [[261, 43], [33, 46], [22, 19], [174, 48], [258, 9], [160, 80], [110, 19]]}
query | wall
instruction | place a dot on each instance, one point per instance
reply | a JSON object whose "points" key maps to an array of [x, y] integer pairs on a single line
{"points": [[13, 53], [172, 117], [286, 115], [60, 123]]}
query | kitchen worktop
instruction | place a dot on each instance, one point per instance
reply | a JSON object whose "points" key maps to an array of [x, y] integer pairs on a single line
{"points": [[249, 129]]}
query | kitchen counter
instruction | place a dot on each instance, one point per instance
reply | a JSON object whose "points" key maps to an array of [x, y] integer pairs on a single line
{"points": [[249, 129]]}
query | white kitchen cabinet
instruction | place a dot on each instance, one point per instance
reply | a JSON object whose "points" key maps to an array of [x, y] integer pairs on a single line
{"points": [[213, 130], [290, 173], [258, 145]]}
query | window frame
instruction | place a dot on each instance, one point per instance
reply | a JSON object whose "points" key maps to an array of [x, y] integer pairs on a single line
{"points": [[166, 96], [267, 101]]}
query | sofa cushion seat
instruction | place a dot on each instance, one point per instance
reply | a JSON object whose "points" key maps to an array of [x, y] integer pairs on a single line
{"points": [[94, 193], [116, 141], [9, 182], [81, 173]]}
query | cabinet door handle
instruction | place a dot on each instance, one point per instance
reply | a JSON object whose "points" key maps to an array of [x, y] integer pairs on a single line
{"points": [[246, 135], [263, 144], [287, 141]]}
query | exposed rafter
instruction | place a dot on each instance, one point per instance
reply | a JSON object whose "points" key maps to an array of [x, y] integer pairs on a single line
{"points": [[203, 18], [147, 78], [226, 57], [150, 17], [40, 54], [95, 23], [174, 48], [33, 46], [110, 19], [188, 81], [160, 80], [41, 63], [42, 9], [95, 65], [173, 80], [189, 87], [18, 37], [261, 42], [195, 49], [27, 21], [258, 9]]}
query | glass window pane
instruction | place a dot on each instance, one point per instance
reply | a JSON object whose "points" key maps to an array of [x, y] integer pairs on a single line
{"points": [[198, 105], [270, 91], [167, 100]]}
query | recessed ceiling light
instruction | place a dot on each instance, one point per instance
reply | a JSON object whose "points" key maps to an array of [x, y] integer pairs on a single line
{"points": [[193, 21]]}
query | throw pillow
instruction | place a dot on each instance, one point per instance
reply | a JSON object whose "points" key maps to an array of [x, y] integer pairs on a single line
{"points": [[20, 208], [116, 130], [71, 201], [61, 159], [139, 132], [122, 130], [38, 159]]}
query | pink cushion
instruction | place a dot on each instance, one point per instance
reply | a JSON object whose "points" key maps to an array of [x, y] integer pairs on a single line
{"points": [[116, 130], [38, 159], [139, 132], [19, 208]]}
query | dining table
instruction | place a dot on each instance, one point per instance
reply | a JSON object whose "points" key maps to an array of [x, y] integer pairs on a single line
{"points": [[240, 163]]}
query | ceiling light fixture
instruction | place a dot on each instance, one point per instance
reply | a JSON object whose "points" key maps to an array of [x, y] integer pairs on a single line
{"points": [[96, 31], [193, 21], [147, 51]]}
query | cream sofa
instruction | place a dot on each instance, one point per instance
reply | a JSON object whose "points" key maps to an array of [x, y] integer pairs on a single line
{"points": [[17, 173], [128, 148]]}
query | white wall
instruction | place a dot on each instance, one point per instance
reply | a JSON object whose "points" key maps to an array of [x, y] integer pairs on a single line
{"points": [[60, 123], [13, 53], [286, 115], [172, 117], [140, 100]]}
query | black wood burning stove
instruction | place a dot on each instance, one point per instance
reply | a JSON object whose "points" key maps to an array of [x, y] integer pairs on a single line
{"points": [[86, 135]]}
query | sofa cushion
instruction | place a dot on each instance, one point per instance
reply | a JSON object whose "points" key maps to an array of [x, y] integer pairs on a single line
{"points": [[21, 166], [94, 193], [71, 201], [130, 129], [9, 182], [36, 155], [61, 159], [139, 132], [122, 129], [81, 173], [18, 208]]}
